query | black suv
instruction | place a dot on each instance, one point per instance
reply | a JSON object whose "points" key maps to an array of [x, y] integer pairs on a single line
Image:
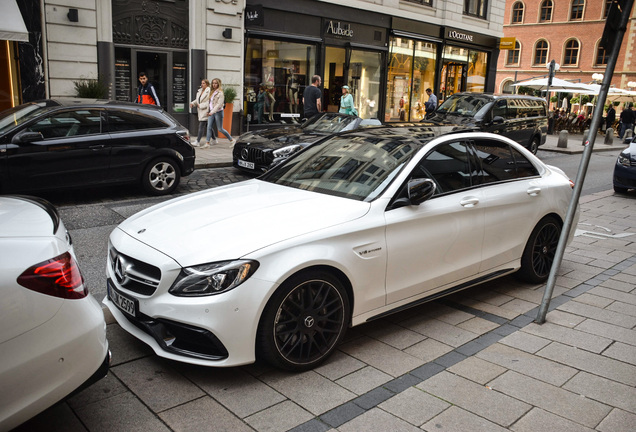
{"points": [[521, 118], [69, 143]]}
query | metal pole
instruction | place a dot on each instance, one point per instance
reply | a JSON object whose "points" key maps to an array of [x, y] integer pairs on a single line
{"points": [[587, 153]]}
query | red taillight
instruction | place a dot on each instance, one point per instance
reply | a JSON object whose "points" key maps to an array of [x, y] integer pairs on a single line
{"points": [[58, 277]]}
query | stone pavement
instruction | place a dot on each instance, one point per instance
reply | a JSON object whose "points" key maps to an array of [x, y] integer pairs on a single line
{"points": [[474, 362]]}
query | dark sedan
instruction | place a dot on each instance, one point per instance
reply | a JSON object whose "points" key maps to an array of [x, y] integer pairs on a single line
{"points": [[70, 143], [625, 169], [258, 151]]}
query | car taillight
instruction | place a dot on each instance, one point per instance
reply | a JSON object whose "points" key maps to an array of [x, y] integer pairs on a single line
{"points": [[58, 277]]}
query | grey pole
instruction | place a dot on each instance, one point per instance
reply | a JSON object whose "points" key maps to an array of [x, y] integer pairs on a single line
{"points": [[587, 153]]}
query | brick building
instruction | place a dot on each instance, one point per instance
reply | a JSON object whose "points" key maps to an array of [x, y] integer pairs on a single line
{"points": [[567, 31]]}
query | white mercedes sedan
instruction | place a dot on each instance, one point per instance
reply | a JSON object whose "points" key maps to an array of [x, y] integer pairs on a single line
{"points": [[351, 229]]}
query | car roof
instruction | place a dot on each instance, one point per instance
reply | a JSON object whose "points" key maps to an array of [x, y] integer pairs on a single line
{"points": [[420, 132], [499, 96], [67, 102]]}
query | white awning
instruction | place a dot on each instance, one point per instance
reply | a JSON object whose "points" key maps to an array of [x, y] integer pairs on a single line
{"points": [[11, 23]]}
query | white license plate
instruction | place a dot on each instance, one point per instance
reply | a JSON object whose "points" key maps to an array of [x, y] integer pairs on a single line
{"points": [[124, 303], [245, 164]]}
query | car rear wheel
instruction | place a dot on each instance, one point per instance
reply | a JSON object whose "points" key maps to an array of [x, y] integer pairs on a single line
{"points": [[161, 176], [539, 252], [304, 321], [534, 145]]}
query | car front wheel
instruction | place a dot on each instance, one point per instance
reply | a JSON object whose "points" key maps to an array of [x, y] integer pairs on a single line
{"points": [[304, 321], [161, 176], [620, 190], [539, 252], [534, 145]]}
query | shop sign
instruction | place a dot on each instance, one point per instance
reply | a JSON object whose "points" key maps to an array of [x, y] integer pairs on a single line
{"points": [[507, 43], [254, 15], [454, 34], [339, 29]]}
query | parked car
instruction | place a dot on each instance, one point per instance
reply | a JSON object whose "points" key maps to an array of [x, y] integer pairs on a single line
{"points": [[351, 229], [71, 143], [521, 118], [52, 330], [259, 151], [625, 169]]}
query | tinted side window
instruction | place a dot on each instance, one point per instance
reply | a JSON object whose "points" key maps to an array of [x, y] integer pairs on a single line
{"points": [[120, 120], [524, 166], [499, 109], [497, 162], [68, 123], [448, 166], [501, 162]]}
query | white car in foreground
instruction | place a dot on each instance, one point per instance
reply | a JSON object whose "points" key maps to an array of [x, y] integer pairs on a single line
{"points": [[52, 331], [349, 230]]}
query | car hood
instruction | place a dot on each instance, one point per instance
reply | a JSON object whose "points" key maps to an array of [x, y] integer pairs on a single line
{"points": [[279, 137], [20, 217], [231, 221]]}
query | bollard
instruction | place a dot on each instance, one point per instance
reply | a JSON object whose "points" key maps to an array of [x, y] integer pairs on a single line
{"points": [[586, 133], [563, 139], [609, 136], [628, 134]]}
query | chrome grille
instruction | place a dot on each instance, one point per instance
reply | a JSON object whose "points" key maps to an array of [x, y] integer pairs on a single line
{"points": [[134, 275], [252, 154]]}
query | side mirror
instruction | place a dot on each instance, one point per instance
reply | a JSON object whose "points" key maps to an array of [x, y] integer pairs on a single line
{"points": [[420, 190], [498, 120], [26, 137]]}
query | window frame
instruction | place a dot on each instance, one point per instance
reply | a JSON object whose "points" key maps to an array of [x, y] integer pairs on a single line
{"points": [[517, 13], [547, 52], [516, 53], [605, 55], [580, 10], [567, 49], [421, 2], [476, 5], [547, 10]]}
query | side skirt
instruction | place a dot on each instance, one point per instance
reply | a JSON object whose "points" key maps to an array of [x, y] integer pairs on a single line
{"points": [[444, 293]]}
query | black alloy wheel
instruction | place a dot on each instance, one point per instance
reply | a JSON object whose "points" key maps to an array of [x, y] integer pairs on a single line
{"points": [[161, 176], [304, 321], [539, 252], [534, 145]]}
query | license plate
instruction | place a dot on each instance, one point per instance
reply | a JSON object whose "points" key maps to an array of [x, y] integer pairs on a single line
{"points": [[124, 303], [245, 164]]}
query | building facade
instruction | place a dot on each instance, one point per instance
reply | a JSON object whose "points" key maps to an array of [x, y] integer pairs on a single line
{"points": [[567, 31], [387, 51]]}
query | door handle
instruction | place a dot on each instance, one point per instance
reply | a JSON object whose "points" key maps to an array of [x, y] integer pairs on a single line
{"points": [[97, 147], [534, 191], [469, 201]]}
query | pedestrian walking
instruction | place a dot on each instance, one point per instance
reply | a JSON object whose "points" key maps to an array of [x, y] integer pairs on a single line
{"points": [[202, 102], [312, 95], [215, 115], [146, 93], [611, 117], [346, 102]]}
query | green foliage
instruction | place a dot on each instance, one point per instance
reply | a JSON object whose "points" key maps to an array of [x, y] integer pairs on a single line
{"points": [[585, 99], [91, 88], [554, 99], [574, 100], [230, 94]]}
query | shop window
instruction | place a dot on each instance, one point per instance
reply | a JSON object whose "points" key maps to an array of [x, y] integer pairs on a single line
{"points": [[571, 53], [412, 66], [545, 15], [576, 10], [601, 56], [477, 68], [276, 73], [365, 69], [540, 53], [517, 13], [475, 8], [513, 55]]}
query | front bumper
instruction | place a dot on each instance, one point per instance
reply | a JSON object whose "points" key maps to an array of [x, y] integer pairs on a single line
{"points": [[625, 176]]}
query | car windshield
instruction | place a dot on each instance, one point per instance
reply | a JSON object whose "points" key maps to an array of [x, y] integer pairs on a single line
{"points": [[465, 105], [353, 166], [329, 123], [17, 115]]}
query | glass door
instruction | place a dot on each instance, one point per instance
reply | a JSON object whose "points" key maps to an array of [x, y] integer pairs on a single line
{"points": [[453, 78], [334, 77], [156, 67]]}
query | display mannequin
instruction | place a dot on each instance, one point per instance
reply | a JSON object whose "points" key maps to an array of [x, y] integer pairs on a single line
{"points": [[272, 102], [292, 90]]}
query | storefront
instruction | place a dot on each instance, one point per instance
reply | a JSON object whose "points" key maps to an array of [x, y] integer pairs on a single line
{"points": [[443, 59], [287, 42]]}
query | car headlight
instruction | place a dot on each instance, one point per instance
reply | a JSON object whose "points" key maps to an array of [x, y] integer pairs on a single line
{"points": [[287, 151], [624, 159], [212, 278]]}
